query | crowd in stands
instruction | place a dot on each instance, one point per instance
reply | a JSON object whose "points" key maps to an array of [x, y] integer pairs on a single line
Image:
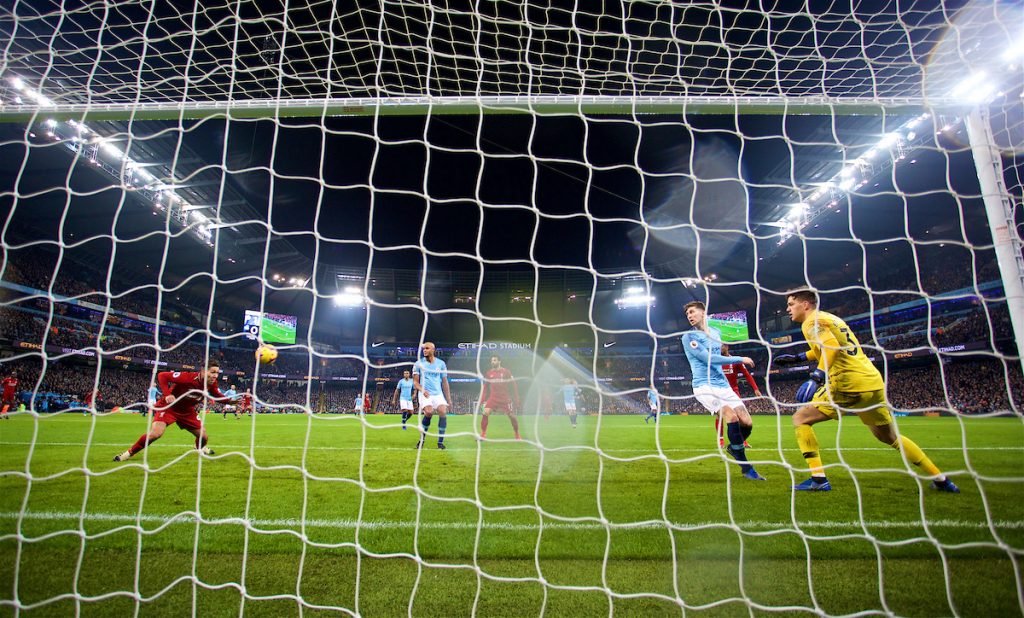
{"points": [[976, 386]]}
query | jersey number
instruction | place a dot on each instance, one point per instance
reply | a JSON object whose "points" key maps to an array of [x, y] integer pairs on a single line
{"points": [[850, 340]]}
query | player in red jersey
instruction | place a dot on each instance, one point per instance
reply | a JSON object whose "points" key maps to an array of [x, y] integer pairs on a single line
{"points": [[10, 396], [182, 391], [495, 395], [734, 382], [245, 402]]}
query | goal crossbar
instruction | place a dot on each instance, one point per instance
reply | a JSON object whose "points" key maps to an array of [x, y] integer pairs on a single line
{"points": [[560, 104]]}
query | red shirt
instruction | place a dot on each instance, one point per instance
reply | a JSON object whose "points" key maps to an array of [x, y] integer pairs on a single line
{"points": [[734, 380], [496, 382], [180, 383], [10, 383], [246, 400], [90, 397]]}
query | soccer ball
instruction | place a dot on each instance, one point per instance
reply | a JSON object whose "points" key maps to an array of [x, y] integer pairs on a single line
{"points": [[266, 354]]}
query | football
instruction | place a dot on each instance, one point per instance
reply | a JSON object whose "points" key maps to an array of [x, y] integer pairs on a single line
{"points": [[266, 353]]}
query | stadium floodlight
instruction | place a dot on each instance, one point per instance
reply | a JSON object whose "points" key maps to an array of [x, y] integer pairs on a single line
{"points": [[351, 297], [889, 140], [976, 88], [50, 122], [17, 83], [1016, 51], [111, 149], [634, 296]]}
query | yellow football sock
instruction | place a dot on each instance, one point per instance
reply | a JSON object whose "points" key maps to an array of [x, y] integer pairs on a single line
{"points": [[808, 443], [916, 456]]}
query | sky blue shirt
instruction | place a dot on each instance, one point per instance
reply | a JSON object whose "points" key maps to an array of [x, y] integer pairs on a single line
{"points": [[154, 394], [652, 396], [230, 393], [704, 351], [569, 392], [405, 389], [431, 374]]}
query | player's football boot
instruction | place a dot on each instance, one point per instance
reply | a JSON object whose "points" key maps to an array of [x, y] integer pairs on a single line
{"points": [[123, 456], [813, 484], [483, 435], [746, 444], [518, 437], [441, 446], [721, 443], [948, 486], [753, 475], [207, 450]]}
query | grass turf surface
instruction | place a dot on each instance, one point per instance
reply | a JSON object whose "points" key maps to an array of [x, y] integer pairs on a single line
{"points": [[539, 544]]}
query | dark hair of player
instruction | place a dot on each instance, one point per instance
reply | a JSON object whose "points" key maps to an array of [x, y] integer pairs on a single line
{"points": [[213, 362], [694, 303], [804, 295]]}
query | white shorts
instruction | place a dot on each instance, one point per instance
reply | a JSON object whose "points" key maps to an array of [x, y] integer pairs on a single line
{"points": [[405, 404], [654, 408], [570, 407], [714, 398], [229, 407], [434, 401]]}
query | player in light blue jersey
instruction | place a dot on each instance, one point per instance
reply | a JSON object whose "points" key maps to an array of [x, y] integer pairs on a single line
{"points": [[152, 396], [569, 392], [703, 347], [403, 396], [430, 376], [652, 400], [230, 406]]}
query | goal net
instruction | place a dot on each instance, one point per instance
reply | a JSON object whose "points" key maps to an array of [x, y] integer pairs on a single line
{"points": [[538, 190]]}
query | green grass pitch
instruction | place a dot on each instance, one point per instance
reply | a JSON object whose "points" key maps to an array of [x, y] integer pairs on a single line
{"points": [[343, 513]]}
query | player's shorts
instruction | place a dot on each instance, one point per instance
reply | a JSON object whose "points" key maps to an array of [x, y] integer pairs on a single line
{"points": [[434, 401], [185, 420], [654, 408], [405, 404], [714, 398], [498, 406], [229, 408], [875, 413], [570, 407]]}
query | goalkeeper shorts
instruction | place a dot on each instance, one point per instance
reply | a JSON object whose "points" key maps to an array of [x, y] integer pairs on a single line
{"points": [[870, 407]]}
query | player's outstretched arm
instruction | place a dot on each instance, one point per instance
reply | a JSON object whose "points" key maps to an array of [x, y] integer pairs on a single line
{"points": [[790, 359], [699, 349]]}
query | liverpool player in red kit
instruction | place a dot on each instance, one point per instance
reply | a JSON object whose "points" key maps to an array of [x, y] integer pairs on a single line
{"points": [[495, 395], [734, 382], [10, 395], [182, 391]]}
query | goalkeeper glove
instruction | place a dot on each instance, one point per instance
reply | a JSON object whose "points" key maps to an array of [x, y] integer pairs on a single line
{"points": [[791, 359], [806, 391]]}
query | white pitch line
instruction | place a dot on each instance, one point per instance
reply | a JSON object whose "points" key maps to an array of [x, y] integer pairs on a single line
{"points": [[495, 447], [189, 517]]}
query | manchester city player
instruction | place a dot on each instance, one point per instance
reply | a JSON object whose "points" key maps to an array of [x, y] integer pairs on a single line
{"points": [[703, 347]]}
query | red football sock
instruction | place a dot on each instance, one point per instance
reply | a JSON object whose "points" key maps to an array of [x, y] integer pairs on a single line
{"points": [[204, 441], [143, 441], [718, 426], [483, 423]]}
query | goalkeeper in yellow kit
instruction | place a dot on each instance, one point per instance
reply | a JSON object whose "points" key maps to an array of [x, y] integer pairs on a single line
{"points": [[844, 380]]}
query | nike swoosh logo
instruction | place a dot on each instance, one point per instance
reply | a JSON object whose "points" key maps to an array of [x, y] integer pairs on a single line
{"points": [[609, 344], [377, 345]]}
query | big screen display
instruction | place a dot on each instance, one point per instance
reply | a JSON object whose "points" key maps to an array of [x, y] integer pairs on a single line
{"points": [[732, 325], [273, 327]]}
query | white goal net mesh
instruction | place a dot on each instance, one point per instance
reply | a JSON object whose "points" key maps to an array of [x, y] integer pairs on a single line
{"points": [[547, 183]]}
